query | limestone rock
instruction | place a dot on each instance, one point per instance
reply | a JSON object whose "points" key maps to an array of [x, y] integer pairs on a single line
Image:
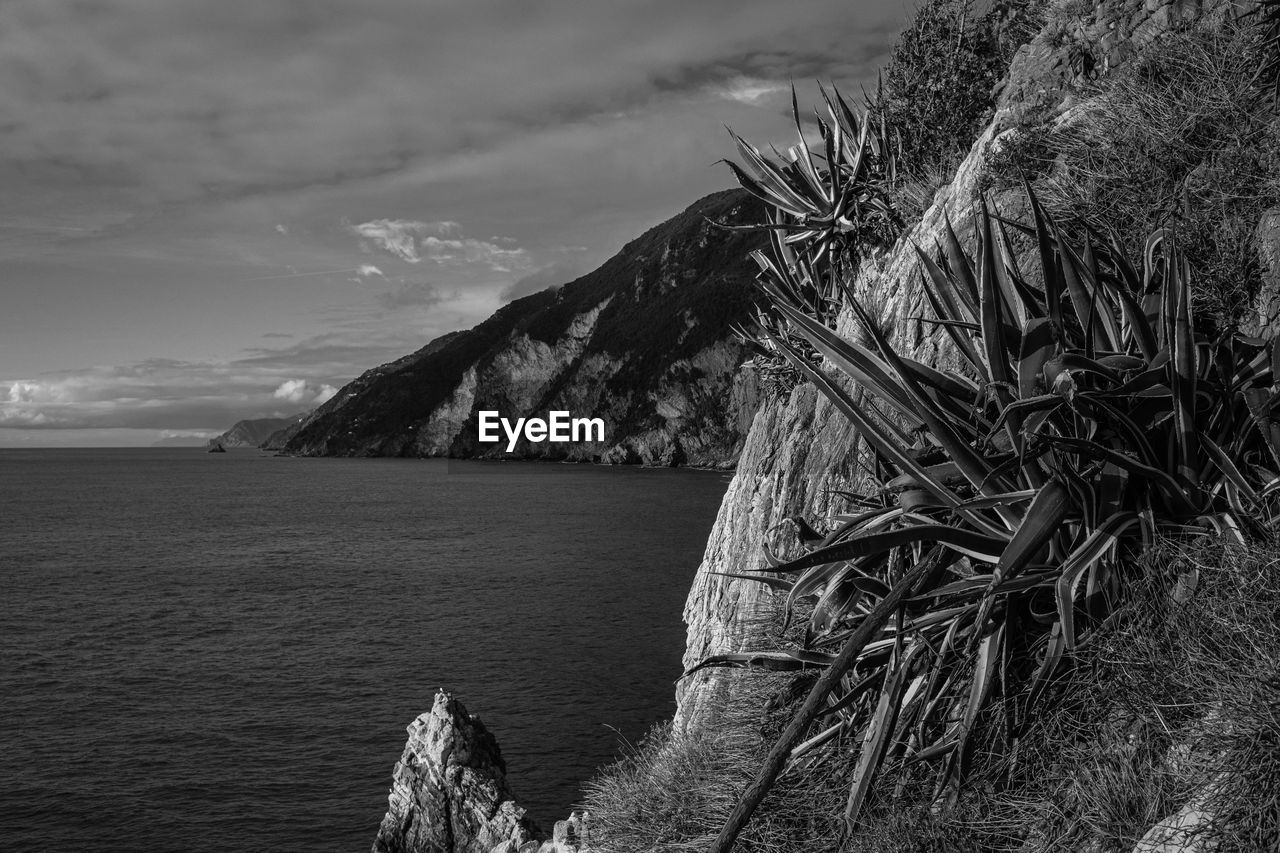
{"points": [[449, 791]]}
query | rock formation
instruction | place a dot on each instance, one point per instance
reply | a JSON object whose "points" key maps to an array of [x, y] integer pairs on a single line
{"points": [[644, 343], [449, 790], [449, 794]]}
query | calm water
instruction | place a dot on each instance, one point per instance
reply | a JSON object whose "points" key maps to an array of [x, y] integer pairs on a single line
{"points": [[221, 652]]}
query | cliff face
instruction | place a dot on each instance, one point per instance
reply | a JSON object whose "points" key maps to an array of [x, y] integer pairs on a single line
{"points": [[644, 343], [799, 449]]}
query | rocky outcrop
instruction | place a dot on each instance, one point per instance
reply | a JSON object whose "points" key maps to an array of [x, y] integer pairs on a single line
{"points": [[254, 431], [449, 794], [449, 790], [645, 343]]}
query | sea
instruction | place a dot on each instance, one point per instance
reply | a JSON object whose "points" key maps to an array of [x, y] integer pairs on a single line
{"points": [[221, 652]]}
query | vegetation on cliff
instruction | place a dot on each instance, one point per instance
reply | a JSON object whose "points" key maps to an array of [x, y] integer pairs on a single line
{"points": [[1037, 626], [1172, 704]]}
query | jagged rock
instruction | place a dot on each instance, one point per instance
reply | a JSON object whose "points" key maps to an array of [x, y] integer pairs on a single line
{"points": [[449, 792]]}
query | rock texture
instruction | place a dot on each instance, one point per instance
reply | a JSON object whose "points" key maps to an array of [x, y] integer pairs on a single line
{"points": [[799, 449], [449, 790], [645, 343]]}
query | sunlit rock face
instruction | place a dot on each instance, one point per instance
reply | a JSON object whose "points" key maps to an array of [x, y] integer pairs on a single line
{"points": [[449, 790], [645, 343]]}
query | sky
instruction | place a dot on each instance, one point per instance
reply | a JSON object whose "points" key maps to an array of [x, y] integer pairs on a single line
{"points": [[220, 209]]}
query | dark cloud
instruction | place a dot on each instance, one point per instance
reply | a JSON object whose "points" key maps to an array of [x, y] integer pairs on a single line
{"points": [[185, 96], [184, 176]]}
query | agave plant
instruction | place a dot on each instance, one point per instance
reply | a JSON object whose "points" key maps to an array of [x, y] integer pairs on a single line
{"points": [[817, 197], [1087, 417], [824, 204]]}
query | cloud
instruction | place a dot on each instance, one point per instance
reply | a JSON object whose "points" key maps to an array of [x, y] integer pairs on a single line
{"points": [[175, 395], [552, 276], [412, 294], [746, 90], [154, 141], [37, 392], [368, 270], [302, 391], [399, 236], [441, 242]]}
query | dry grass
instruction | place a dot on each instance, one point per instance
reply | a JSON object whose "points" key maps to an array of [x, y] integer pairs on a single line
{"points": [[1179, 702], [1177, 138]]}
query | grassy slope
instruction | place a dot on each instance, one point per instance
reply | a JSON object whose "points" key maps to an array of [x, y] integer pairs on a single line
{"points": [[1177, 703]]}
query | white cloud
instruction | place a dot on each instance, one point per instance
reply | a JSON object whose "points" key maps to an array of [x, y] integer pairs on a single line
{"points": [[188, 397], [748, 90], [282, 229], [441, 243], [26, 391], [399, 236], [302, 391], [367, 270]]}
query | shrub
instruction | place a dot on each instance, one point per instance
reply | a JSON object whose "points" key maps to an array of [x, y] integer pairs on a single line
{"points": [[936, 90]]}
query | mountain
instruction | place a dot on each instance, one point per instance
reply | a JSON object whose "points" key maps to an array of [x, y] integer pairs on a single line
{"points": [[254, 431], [644, 343], [181, 441]]}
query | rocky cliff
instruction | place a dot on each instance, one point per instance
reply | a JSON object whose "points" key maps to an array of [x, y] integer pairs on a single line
{"points": [[799, 452], [644, 343]]}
